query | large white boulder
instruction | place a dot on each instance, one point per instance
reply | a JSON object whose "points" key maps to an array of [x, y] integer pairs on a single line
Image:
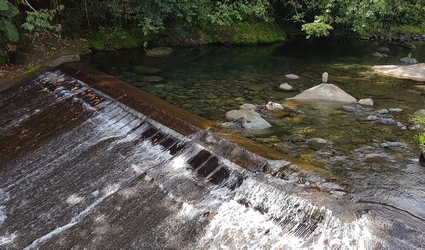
{"points": [[414, 72], [325, 92]]}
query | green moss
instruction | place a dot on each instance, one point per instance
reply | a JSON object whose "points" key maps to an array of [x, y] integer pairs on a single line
{"points": [[399, 30], [409, 29], [33, 69], [111, 39], [243, 33]]}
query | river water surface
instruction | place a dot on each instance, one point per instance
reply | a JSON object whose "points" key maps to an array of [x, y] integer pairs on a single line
{"points": [[209, 81]]}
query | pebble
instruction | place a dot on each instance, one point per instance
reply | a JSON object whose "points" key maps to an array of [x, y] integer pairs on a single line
{"points": [[285, 86], [292, 76], [383, 111], [395, 110], [366, 102], [348, 108]]}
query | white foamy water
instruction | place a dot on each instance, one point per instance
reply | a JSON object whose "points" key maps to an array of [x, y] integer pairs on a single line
{"points": [[38, 242], [262, 217]]}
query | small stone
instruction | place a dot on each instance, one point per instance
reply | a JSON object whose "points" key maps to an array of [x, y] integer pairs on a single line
{"points": [[377, 54], [146, 70], [382, 49], [150, 79], [285, 86], [248, 106], [383, 111], [387, 121], [319, 140], [420, 112], [292, 76], [373, 157], [348, 109], [395, 110], [366, 102], [372, 118]]}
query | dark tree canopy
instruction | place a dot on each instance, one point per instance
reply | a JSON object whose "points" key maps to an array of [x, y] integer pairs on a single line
{"points": [[32, 18]]}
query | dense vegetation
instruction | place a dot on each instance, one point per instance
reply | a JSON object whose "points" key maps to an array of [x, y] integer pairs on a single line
{"points": [[250, 21]]}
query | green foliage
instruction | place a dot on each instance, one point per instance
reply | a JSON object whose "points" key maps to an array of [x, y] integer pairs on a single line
{"points": [[41, 21], [110, 38], [360, 16], [7, 12], [419, 120], [318, 28]]}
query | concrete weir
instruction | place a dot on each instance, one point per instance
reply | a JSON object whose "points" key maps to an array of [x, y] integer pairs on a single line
{"points": [[89, 162]]}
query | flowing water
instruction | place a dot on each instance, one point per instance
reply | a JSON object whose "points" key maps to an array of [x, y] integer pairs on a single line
{"points": [[86, 169], [209, 81]]}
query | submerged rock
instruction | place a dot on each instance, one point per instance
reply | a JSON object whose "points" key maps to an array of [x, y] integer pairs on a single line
{"points": [[377, 54], [146, 70], [150, 79], [382, 49], [158, 51]]}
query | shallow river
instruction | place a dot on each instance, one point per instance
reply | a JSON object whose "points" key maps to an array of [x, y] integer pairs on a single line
{"points": [[209, 81]]}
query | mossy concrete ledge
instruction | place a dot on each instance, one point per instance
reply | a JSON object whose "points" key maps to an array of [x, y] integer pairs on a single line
{"points": [[37, 69]]}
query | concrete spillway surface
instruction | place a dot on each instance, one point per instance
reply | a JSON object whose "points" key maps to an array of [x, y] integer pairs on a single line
{"points": [[81, 170]]}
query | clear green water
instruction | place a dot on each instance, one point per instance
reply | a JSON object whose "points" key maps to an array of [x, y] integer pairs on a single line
{"points": [[211, 80]]}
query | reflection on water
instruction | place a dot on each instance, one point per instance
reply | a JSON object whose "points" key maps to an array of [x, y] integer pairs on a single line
{"points": [[376, 164]]}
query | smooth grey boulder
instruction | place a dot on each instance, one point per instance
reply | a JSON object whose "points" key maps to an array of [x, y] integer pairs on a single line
{"points": [[325, 92], [253, 120]]}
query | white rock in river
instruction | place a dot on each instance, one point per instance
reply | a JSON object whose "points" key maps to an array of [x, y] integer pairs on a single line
{"points": [[325, 77], [285, 86], [274, 106], [325, 92], [366, 102], [292, 76]]}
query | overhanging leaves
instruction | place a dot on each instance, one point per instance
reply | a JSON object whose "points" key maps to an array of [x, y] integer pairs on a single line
{"points": [[9, 29]]}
